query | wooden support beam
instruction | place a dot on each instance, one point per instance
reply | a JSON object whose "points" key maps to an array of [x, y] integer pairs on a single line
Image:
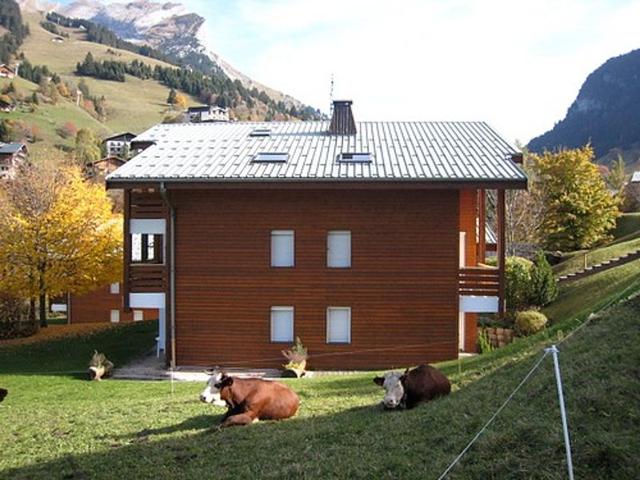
{"points": [[482, 234], [126, 257], [501, 247]]}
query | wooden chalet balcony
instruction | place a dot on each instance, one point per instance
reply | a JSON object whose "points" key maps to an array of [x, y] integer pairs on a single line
{"points": [[145, 278], [479, 281]]}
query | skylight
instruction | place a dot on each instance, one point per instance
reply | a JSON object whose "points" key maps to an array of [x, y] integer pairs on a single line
{"points": [[355, 157], [271, 157], [260, 132]]}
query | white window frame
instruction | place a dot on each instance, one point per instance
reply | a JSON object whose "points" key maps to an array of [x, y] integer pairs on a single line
{"points": [[138, 315], [114, 316], [329, 310], [281, 233], [114, 288], [333, 261], [293, 322]]}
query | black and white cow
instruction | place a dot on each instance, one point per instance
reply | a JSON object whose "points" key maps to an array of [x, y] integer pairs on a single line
{"points": [[408, 389]]}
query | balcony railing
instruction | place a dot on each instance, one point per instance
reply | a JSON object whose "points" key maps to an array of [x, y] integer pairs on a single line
{"points": [[147, 278], [479, 281]]}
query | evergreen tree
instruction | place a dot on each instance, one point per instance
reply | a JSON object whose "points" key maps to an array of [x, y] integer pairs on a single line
{"points": [[171, 99], [544, 287]]}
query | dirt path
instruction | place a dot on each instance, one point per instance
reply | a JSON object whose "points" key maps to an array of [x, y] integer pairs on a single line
{"points": [[53, 332]]}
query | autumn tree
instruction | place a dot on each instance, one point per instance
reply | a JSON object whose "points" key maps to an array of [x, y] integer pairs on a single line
{"points": [[578, 210], [57, 235], [181, 101], [87, 147]]}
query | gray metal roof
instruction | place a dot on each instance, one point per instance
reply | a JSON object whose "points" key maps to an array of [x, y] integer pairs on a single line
{"points": [[10, 148], [413, 151]]}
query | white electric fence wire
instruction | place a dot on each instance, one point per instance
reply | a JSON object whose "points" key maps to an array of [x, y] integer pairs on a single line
{"points": [[493, 417]]}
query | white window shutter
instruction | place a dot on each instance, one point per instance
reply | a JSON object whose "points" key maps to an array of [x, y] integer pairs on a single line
{"points": [[339, 249], [338, 325], [282, 248], [282, 324]]}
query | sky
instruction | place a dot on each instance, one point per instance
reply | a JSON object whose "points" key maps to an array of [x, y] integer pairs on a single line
{"points": [[516, 64]]}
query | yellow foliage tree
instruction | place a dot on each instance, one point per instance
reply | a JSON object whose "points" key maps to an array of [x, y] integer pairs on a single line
{"points": [[578, 210], [180, 101], [57, 235]]}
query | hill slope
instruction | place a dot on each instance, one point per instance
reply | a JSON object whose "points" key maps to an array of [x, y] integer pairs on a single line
{"points": [[605, 113]]}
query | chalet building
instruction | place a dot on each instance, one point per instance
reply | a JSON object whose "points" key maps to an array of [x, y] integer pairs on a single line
{"points": [[119, 145], [635, 178], [366, 240], [6, 71], [103, 167], [12, 155], [104, 304], [207, 113]]}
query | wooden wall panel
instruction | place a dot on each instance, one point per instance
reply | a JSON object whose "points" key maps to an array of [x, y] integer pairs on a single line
{"points": [[96, 306], [402, 286], [468, 224]]}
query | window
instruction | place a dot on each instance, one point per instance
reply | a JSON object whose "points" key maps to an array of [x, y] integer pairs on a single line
{"points": [[276, 157], [282, 324], [146, 248], [354, 157], [338, 325], [339, 249], [138, 315], [260, 132], [115, 316], [282, 248], [114, 288]]}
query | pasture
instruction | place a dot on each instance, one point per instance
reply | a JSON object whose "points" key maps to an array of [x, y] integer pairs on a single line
{"points": [[62, 426]]}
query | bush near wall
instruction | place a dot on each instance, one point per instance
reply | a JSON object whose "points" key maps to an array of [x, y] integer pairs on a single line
{"points": [[14, 319]]}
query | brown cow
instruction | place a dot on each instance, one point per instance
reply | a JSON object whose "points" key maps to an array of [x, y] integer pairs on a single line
{"points": [[250, 399], [3, 393], [407, 390]]}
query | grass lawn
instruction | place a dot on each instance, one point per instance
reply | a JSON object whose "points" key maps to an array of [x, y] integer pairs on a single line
{"points": [[576, 261], [62, 426]]}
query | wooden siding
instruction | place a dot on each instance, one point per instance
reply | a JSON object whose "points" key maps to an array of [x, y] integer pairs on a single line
{"points": [[96, 306], [468, 211], [402, 286]]}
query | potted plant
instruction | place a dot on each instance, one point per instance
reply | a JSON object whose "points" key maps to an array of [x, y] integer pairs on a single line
{"points": [[297, 360]]}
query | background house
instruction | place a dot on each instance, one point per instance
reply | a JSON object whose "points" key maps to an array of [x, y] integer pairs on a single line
{"points": [[6, 71], [12, 155], [362, 239], [103, 167], [104, 304], [119, 145], [208, 113]]}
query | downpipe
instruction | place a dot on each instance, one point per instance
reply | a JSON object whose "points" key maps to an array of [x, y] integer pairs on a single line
{"points": [[172, 272]]}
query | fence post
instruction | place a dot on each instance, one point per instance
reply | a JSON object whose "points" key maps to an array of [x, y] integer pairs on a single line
{"points": [[565, 428]]}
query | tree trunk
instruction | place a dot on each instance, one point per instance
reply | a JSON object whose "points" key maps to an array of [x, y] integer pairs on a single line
{"points": [[42, 301], [32, 310]]}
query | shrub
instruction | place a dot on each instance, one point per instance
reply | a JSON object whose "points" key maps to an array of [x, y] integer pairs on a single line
{"points": [[68, 130], [484, 345], [544, 286], [517, 277], [530, 322], [14, 318]]}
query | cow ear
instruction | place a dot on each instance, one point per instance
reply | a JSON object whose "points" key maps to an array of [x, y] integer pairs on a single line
{"points": [[378, 380], [226, 382]]}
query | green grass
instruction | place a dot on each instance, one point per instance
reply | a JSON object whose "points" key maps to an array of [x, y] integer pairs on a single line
{"points": [[61, 426], [575, 262], [581, 296]]}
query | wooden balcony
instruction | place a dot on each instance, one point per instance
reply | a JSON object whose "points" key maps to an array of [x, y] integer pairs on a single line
{"points": [[146, 278], [479, 281]]}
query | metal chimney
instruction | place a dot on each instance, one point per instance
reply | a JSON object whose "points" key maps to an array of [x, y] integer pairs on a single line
{"points": [[342, 122]]}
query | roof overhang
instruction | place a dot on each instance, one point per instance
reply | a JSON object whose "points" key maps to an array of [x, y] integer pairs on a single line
{"points": [[325, 184]]}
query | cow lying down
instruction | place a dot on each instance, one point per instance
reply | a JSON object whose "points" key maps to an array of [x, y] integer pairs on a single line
{"points": [[249, 399], [408, 389]]}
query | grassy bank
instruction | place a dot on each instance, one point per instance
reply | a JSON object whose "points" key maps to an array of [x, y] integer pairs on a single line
{"points": [[61, 426]]}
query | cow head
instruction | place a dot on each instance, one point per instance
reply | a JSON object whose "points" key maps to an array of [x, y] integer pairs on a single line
{"points": [[393, 384], [211, 393]]}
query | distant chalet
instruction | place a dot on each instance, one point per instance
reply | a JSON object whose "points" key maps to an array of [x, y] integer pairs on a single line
{"points": [[365, 239], [12, 156]]}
